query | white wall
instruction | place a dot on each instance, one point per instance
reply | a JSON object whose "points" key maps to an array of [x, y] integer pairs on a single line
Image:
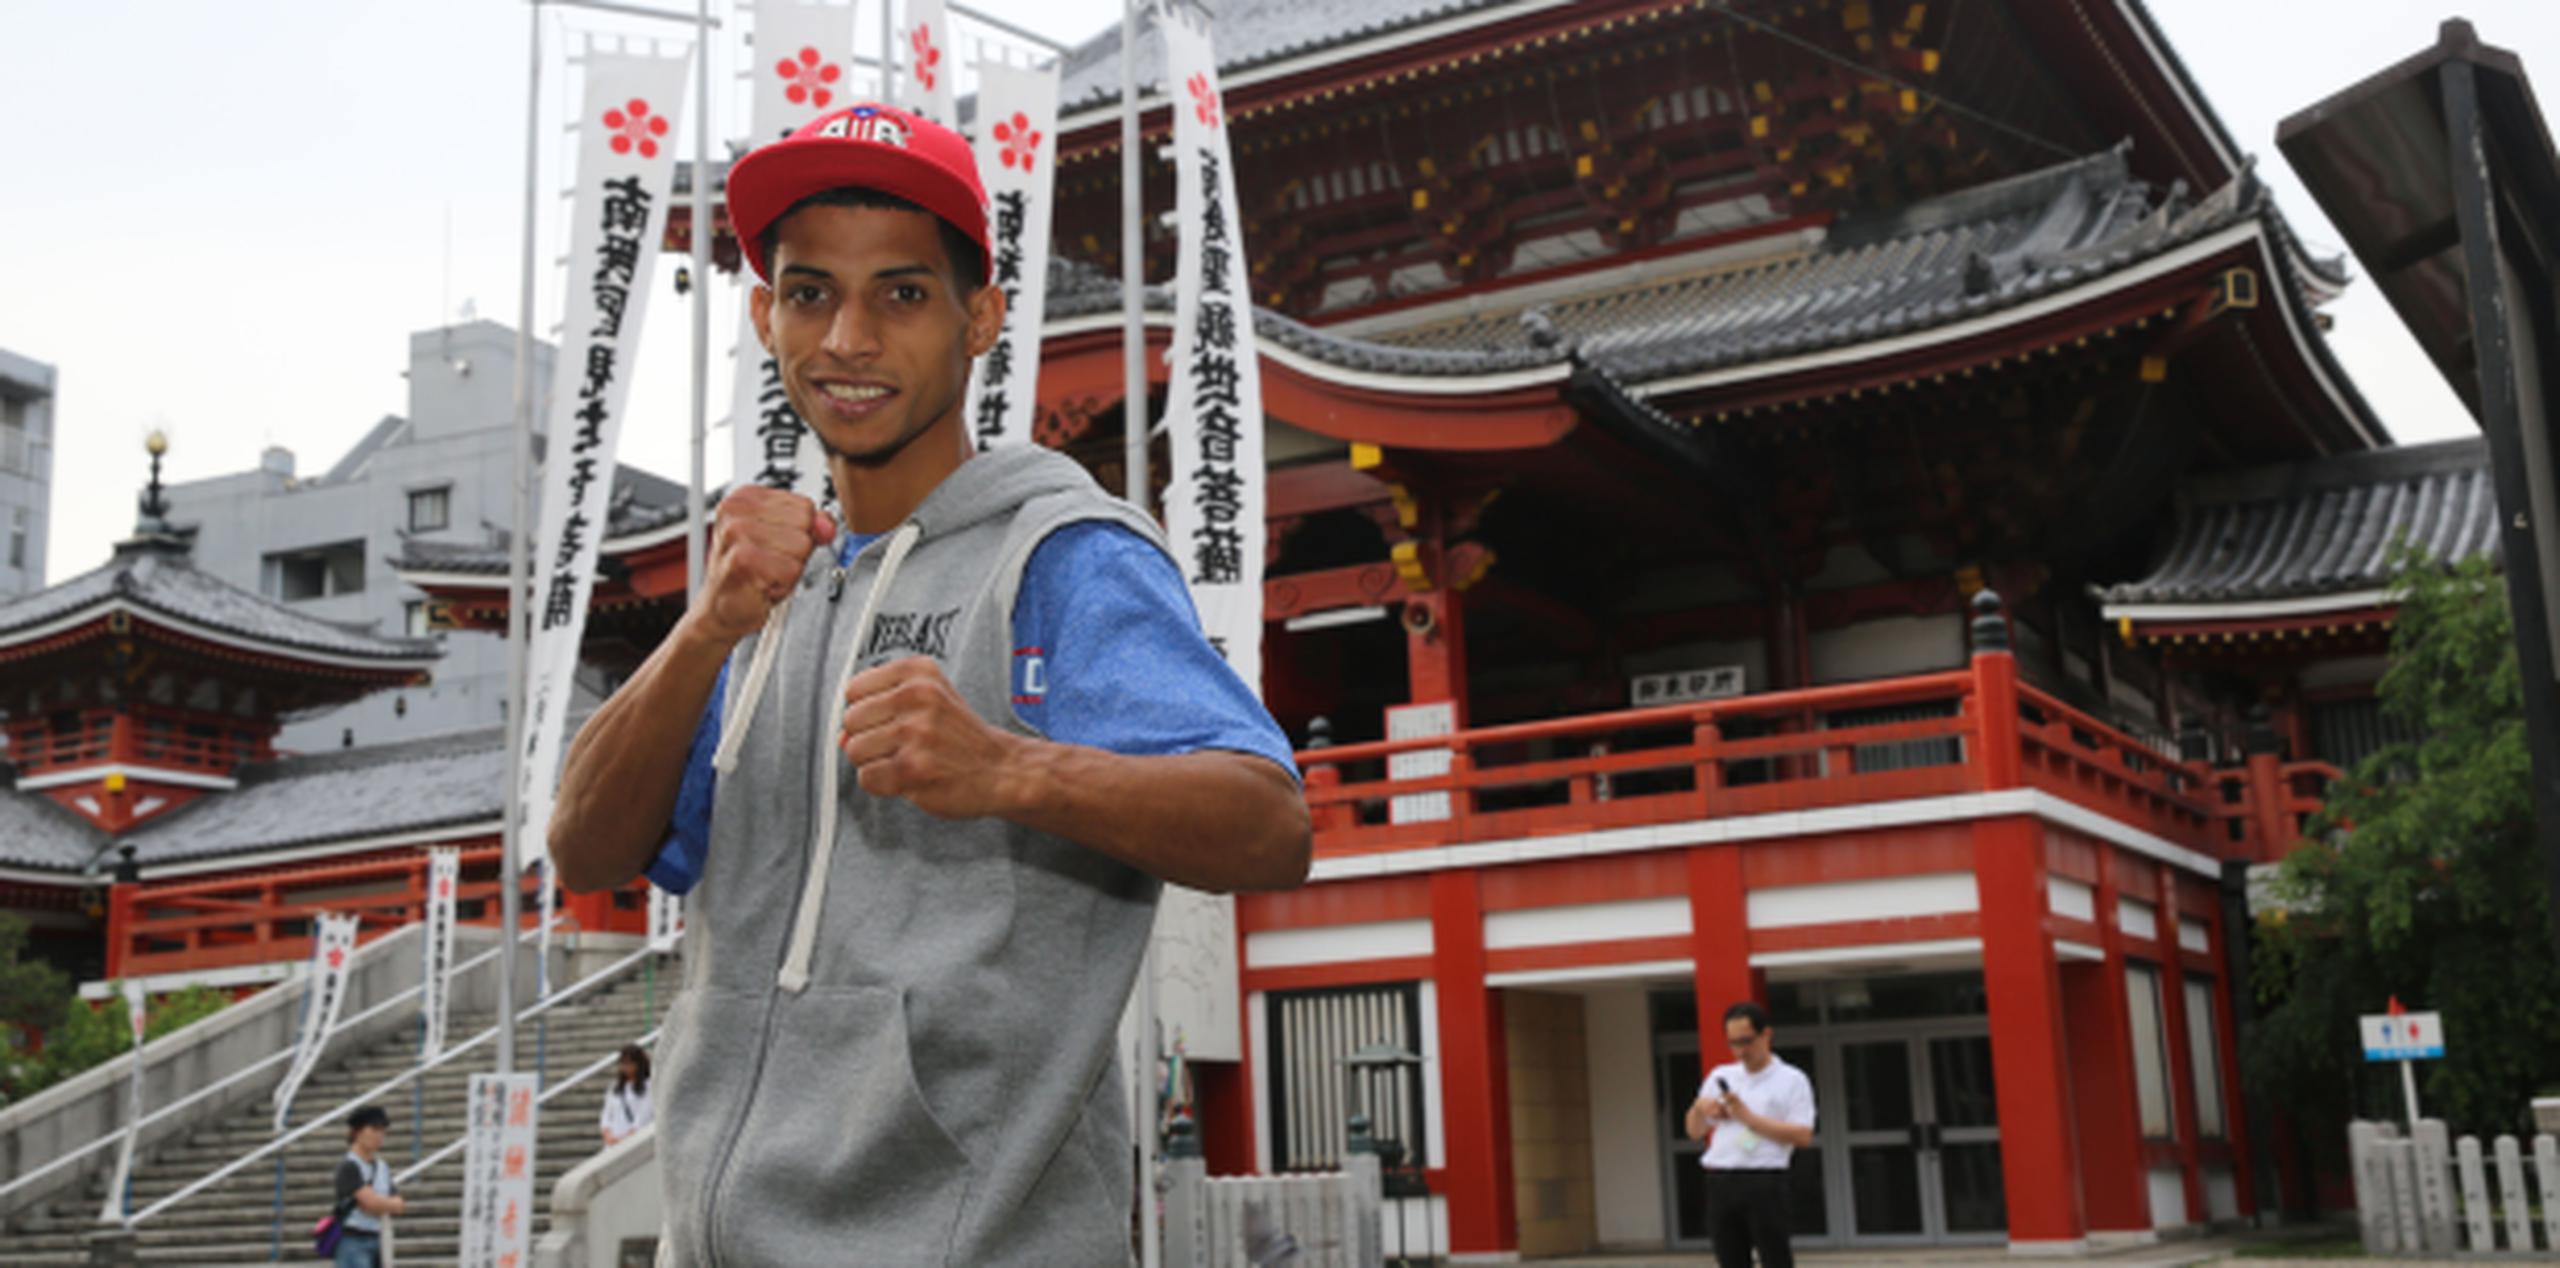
{"points": [[1887, 648], [1626, 1158]]}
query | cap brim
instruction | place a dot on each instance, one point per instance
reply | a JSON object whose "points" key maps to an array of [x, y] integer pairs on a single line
{"points": [[769, 181]]}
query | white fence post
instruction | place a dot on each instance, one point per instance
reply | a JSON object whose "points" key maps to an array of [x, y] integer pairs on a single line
{"points": [[2546, 1168], [2475, 1197], [1186, 1175], [2373, 1186], [2404, 1192], [2511, 1194], [2435, 1186]]}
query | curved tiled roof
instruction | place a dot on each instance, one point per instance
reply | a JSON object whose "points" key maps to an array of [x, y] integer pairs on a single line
{"points": [[442, 782], [1249, 33], [2328, 526], [36, 833], [162, 580], [1932, 263]]}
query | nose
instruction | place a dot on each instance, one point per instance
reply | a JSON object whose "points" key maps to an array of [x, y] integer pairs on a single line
{"points": [[852, 335]]}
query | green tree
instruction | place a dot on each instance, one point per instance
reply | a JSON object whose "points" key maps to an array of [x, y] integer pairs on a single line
{"points": [[2421, 879], [32, 994]]}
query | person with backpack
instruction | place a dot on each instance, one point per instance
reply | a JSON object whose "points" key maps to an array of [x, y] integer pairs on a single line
{"points": [[364, 1191]]}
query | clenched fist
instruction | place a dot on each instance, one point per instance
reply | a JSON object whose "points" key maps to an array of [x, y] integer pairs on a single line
{"points": [[907, 733], [760, 541]]}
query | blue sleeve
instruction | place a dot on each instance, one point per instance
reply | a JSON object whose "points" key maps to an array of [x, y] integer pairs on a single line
{"points": [[679, 861], [1108, 653]]}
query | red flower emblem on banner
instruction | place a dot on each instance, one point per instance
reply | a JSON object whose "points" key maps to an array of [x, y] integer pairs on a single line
{"points": [[1204, 99], [809, 76], [444, 887], [634, 125], [1020, 142], [337, 956], [927, 56]]}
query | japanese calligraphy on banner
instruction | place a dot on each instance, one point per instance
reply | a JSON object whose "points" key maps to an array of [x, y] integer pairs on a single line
{"points": [[1017, 143], [333, 948], [925, 62], [444, 875], [626, 161], [497, 1171], [1213, 508], [803, 58]]}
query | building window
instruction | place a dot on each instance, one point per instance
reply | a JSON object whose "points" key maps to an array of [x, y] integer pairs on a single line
{"points": [[18, 537], [1314, 1093], [2203, 1048], [2345, 732], [15, 453], [430, 509], [413, 619], [315, 572], [2150, 1051]]}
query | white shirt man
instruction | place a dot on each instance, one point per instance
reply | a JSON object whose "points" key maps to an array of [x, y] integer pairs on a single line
{"points": [[1759, 1110]]}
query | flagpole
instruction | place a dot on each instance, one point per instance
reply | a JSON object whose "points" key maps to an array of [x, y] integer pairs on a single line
{"points": [[519, 551], [693, 540], [1138, 490]]}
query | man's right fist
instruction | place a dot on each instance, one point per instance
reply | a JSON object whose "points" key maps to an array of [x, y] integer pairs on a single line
{"points": [[760, 542]]}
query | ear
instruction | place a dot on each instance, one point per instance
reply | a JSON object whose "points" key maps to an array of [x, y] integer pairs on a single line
{"points": [[760, 308], [986, 318]]}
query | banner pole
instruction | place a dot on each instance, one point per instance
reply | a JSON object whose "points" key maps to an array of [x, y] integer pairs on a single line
{"points": [[519, 551], [1133, 276], [693, 539]]}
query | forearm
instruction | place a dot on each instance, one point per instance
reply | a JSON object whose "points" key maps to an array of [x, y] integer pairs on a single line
{"points": [[1697, 1120], [1793, 1135], [618, 787], [1215, 821]]}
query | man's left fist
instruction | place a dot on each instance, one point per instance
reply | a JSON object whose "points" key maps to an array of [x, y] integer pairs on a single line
{"points": [[907, 733]]}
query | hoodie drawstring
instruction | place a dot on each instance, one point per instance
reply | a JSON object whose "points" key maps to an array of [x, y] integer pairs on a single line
{"points": [[813, 894], [742, 711]]}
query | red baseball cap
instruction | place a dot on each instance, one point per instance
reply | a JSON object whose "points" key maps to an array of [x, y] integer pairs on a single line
{"points": [[866, 146]]}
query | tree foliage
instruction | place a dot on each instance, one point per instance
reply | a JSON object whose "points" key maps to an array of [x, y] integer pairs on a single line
{"points": [[48, 1033], [2421, 879]]}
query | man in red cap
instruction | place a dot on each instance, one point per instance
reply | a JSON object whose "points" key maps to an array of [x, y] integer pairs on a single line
{"points": [[922, 774]]}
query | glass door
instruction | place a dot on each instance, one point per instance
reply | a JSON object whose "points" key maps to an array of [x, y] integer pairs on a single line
{"points": [[1964, 1138], [1882, 1140], [1916, 1121]]}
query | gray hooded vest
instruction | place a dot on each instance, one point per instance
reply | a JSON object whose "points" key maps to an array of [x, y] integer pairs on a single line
{"points": [[897, 1048]]}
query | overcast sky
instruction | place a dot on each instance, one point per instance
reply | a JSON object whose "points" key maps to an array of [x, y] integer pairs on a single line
{"points": [[226, 219]]}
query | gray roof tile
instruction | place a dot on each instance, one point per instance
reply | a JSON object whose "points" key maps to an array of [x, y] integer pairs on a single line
{"points": [[164, 581], [445, 781], [1249, 33], [2323, 526], [36, 833]]}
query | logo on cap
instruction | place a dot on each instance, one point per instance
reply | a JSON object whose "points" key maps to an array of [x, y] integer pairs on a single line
{"points": [[866, 123]]}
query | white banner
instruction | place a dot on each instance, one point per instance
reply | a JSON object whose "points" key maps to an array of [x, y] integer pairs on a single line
{"points": [[497, 1171], [1017, 147], [333, 948], [925, 64], [444, 875], [1214, 505], [804, 68], [626, 163]]}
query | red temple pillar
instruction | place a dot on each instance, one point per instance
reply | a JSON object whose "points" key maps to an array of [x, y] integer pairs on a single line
{"points": [[2113, 1189], [2235, 1118], [1720, 939], [2173, 1025], [2033, 1093], [1474, 1082]]}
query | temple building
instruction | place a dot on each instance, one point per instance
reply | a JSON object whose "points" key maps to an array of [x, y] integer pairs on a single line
{"points": [[1845, 504]]}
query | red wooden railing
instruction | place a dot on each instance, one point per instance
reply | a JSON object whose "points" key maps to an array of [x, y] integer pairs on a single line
{"points": [[223, 921], [146, 735]]}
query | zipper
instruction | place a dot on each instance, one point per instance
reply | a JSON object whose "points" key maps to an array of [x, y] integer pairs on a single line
{"points": [[755, 1072]]}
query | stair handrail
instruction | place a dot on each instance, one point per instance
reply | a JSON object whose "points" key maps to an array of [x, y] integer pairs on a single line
{"points": [[18, 1184], [606, 1061], [337, 1113]]}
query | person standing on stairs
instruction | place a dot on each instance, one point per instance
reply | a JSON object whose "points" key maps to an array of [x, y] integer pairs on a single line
{"points": [[364, 1186]]}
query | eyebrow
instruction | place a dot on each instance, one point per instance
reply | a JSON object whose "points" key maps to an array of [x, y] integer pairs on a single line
{"points": [[904, 270]]}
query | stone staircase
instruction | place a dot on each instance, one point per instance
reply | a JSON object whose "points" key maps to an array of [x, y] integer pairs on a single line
{"points": [[234, 1221]]}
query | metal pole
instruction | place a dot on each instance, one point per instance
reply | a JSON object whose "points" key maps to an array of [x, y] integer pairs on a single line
{"points": [[1133, 366], [519, 551], [2409, 1093], [693, 543], [1133, 275]]}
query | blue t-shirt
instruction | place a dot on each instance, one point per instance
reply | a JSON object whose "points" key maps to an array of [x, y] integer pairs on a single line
{"points": [[1107, 653]]}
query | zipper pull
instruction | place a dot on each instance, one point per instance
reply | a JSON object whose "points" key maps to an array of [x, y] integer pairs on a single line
{"points": [[835, 584]]}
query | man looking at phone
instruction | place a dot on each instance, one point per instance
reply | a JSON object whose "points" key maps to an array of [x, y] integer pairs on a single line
{"points": [[1760, 1110]]}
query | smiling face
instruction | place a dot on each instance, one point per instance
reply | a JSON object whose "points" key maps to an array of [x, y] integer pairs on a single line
{"points": [[874, 336]]}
